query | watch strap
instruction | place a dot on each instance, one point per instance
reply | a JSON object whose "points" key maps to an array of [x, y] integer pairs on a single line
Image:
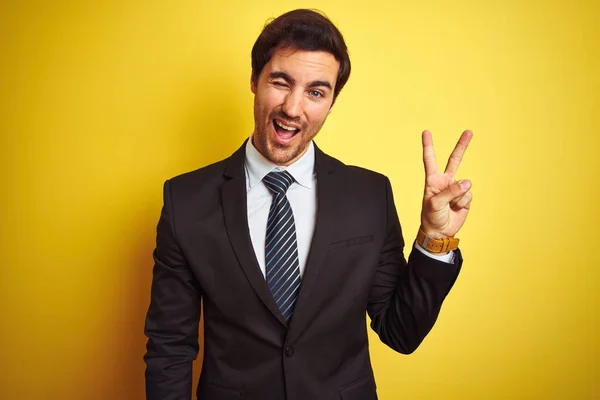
{"points": [[433, 245]]}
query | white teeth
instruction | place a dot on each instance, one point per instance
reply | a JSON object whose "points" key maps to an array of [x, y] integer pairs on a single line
{"points": [[287, 128]]}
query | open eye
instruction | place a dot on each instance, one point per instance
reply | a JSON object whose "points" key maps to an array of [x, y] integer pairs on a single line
{"points": [[315, 93]]}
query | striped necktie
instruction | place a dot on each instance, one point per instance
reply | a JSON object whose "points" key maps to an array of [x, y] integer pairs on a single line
{"points": [[281, 249]]}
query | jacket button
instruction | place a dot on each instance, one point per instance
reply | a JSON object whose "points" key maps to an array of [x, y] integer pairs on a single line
{"points": [[289, 351]]}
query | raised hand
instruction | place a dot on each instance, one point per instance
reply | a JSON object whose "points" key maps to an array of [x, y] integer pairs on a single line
{"points": [[445, 202]]}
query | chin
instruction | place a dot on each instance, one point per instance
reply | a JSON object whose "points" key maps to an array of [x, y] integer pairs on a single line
{"points": [[278, 153], [280, 156]]}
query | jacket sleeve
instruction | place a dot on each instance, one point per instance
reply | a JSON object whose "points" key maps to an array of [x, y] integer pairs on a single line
{"points": [[173, 315], [406, 298]]}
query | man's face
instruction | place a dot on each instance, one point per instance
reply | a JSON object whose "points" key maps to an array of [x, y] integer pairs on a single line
{"points": [[292, 98]]}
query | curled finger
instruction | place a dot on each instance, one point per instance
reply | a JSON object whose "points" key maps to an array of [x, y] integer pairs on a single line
{"points": [[461, 202]]}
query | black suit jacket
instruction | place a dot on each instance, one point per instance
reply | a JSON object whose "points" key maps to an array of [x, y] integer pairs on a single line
{"points": [[355, 264]]}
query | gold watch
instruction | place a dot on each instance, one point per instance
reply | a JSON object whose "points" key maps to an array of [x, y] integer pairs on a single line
{"points": [[441, 245]]}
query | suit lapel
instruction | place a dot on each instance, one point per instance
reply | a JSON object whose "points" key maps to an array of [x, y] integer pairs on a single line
{"points": [[233, 194], [327, 193]]}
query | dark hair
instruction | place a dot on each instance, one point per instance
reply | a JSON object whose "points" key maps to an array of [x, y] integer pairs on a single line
{"points": [[303, 30]]}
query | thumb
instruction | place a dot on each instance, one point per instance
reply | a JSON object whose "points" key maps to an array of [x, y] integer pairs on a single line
{"points": [[452, 192]]}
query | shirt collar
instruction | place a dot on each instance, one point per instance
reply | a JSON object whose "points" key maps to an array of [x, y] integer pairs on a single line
{"points": [[257, 166]]}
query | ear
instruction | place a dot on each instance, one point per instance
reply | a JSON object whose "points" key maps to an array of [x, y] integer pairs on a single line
{"points": [[332, 104], [331, 108], [252, 83]]}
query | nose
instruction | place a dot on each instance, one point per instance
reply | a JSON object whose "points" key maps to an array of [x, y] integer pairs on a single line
{"points": [[292, 104]]}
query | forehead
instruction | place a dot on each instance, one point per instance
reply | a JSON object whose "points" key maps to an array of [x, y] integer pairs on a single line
{"points": [[304, 65]]}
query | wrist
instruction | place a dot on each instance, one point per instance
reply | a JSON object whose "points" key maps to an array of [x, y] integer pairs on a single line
{"points": [[431, 233]]}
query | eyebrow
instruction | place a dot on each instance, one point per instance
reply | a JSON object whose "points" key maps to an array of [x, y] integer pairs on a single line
{"points": [[320, 83], [289, 79]]}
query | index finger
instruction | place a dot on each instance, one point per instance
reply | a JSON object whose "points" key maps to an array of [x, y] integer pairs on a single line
{"points": [[458, 152], [428, 154]]}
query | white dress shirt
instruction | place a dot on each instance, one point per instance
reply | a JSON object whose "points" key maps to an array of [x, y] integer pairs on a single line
{"points": [[302, 195]]}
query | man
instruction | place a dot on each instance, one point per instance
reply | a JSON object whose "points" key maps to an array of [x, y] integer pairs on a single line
{"points": [[289, 248]]}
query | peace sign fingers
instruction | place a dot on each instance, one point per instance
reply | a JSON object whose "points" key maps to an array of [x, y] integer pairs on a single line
{"points": [[446, 202], [457, 154]]}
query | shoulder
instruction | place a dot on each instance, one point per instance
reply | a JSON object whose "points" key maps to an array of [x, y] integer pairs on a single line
{"points": [[209, 178], [364, 173], [353, 173], [201, 175], [200, 184]]}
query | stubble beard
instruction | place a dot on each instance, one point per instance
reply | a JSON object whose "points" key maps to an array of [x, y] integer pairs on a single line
{"points": [[274, 152]]}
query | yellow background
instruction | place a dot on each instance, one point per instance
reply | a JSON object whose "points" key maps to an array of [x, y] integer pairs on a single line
{"points": [[103, 101]]}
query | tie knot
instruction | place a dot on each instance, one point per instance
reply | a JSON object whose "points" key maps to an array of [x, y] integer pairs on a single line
{"points": [[278, 182]]}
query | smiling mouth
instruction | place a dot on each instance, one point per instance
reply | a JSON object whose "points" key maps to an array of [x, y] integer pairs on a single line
{"points": [[284, 132]]}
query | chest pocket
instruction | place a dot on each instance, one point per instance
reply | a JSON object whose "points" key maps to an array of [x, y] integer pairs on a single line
{"points": [[356, 241]]}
